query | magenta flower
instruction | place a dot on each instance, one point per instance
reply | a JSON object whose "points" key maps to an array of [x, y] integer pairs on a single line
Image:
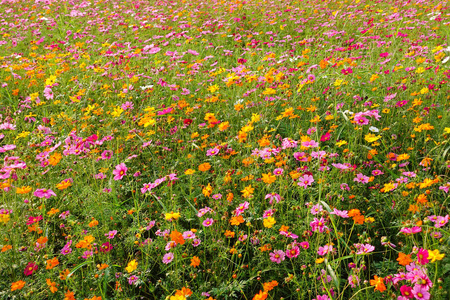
{"points": [[32, 220], [304, 245], [44, 193], [406, 291], [212, 151], [293, 252], [208, 222], [106, 247], [422, 256], [30, 268], [277, 256], [120, 171], [132, 279]]}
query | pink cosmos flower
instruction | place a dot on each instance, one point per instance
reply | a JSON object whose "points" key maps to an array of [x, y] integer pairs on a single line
{"points": [[305, 181], [44, 193], [208, 222], [273, 196], [277, 256], [168, 257], [110, 235], [325, 250], [318, 225], [353, 280], [212, 151], [316, 209], [241, 208], [364, 248], [120, 171], [420, 293]]}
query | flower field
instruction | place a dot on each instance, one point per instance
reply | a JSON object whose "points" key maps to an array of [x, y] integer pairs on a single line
{"points": [[210, 149]]}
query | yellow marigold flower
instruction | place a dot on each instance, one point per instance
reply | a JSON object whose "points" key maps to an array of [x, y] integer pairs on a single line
{"points": [[172, 216], [370, 137], [268, 178], [247, 191], [435, 255], [189, 172], [24, 190], [269, 222], [132, 265]]}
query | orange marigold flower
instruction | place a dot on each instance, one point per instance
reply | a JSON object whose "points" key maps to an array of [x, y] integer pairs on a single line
{"points": [[268, 286], [18, 285], [51, 263], [404, 259], [204, 167], [186, 292], [237, 220], [195, 261], [260, 296], [52, 286], [354, 212], [177, 237], [229, 234], [93, 223], [378, 283], [6, 248], [359, 219], [69, 295]]}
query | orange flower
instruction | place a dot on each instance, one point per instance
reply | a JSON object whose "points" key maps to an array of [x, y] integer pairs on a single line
{"points": [[63, 275], [51, 263], [268, 286], [354, 212], [18, 285], [237, 220], [69, 295], [378, 283], [204, 167], [229, 234], [422, 199], [102, 266], [42, 240], [177, 237], [195, 261], [184, 292], [52, 286], [359, 219], [6, 248], [413, 208], [404, 259], [260, 296], [230, 197], [93, 223]]}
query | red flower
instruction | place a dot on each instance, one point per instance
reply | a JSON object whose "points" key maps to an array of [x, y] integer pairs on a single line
{"points": [[30, 269], [187, 121]]}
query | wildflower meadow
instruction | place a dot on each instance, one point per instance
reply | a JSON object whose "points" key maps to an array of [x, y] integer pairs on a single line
{"points": [[212, 149]]}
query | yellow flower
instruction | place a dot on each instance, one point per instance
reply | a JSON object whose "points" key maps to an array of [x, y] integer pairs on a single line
{"points": [[268, 178], [320, 260], [189, 172], [23, 190], [132, 265], [172, 216], [269, 222], [247, 191], [374, 77], [370, 137], [435, 255]]}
